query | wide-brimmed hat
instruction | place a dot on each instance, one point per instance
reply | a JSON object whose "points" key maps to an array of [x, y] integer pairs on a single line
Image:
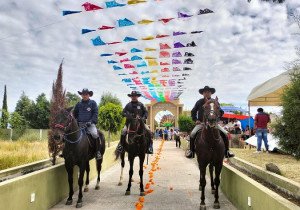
{"points": [[134, 93], [85, 90], [212, 90]]}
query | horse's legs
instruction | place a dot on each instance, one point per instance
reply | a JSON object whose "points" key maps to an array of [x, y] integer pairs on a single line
{"points": [[87, 180], [80, 184], [70, 180], [211, 172], [99, 167], [131, 160], [122, 168], [141, 172], [218, 169], [202, 184]]}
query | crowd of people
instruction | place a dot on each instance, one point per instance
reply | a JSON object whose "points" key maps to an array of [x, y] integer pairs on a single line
{"points": [[166, 134]]}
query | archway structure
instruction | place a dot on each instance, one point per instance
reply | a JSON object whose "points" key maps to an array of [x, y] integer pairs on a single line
{"points": [[175, 107]]}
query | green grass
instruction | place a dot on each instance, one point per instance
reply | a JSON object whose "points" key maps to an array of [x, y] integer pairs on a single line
{"points": [[15, 153], [288, 165]]}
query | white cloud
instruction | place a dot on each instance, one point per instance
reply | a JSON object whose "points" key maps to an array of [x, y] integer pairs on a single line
{"points": [[243, 45]]}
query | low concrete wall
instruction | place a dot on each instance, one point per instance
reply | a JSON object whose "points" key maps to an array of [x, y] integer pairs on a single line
{"points": [[49, 185], [288, 186], [238, 188]]}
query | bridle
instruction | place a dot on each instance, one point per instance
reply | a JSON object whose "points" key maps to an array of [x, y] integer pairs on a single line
{"points": [[134, 132], [211, 112], [65, 127]]}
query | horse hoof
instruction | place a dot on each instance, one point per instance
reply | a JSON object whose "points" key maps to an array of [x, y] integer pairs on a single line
{"points": [[86, 189], [97, 187], [120, 184], [142, 193], [127, 193], [69, 202], [213, 191], [78, 205], [216, 205], [202, 207]]}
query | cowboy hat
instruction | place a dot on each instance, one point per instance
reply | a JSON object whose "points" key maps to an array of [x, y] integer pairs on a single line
{"points": [[85, 90], [134, 93], [212, 90]]}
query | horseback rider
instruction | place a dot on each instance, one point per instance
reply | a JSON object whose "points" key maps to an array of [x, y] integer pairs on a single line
{"points": [[86, 113], [198, 114], [132, 108]]}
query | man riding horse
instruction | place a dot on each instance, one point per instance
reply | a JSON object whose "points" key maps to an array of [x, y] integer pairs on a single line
{"points": [[198, 114], [86, 113], [135, 108]]}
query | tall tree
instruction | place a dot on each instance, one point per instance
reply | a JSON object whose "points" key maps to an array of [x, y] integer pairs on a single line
{"points": [[110, 118], [58, 101], [287, 128], [72, 99], [4, 114], [17, 121], [108, 97], [40, 113]]}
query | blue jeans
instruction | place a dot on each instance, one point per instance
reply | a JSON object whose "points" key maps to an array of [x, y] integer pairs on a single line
{"points": [[261, 134]]}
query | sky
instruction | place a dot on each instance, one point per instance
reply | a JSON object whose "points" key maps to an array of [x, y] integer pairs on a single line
{"points": [[243, 45]]}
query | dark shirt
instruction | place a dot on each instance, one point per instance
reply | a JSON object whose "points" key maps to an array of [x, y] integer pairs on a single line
{"points": [[261, 120], [135, 108], [197, 112], [86, 111]]}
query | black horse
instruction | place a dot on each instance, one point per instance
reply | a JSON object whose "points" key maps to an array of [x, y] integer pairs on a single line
{"points": [[136, 146], [210, 151], [79, 149]]}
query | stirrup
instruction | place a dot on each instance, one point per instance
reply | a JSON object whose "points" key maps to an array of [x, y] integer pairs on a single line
{"points": [[229, 154], [120, 148], [190, 154], [150, 150]]}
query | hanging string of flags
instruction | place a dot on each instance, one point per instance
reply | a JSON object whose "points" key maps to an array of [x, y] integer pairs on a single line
{"points": [[126, 22], [97, 41], [158, 73]]}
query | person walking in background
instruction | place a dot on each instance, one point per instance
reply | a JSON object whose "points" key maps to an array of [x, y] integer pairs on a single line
{"points": [[166, 131], [261, 125], [171, 134]]}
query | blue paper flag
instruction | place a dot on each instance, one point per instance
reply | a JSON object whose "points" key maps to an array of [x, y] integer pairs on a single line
{"points": [[135, 58], [110, 4], [111, 61], [106, 54], [85, 31], [67, 12], [134, 50], [125, 22], [129, 39], [142, 64], [97, 41], [117, 67]]}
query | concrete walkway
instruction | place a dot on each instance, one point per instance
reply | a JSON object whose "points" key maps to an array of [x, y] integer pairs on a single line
{"points": [[175, 186]]}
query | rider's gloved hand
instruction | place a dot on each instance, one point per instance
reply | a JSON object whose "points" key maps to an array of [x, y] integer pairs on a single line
{"points": [[88, 124]]}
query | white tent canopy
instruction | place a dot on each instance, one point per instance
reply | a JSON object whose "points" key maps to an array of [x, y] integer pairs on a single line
{"points": [[269, 93]]}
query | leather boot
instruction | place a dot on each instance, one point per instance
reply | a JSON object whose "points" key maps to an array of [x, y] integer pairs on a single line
{"points": [[228, 153], [120, 147], [98, 147], [191, 152]]}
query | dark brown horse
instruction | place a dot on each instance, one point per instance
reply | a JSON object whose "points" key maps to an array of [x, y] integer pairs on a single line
{"points": [[78, 149], [136, 146], [210, 150]]}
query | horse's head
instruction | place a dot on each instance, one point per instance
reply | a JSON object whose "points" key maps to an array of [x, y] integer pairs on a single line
{"points": [[135, 124], [211, 112], [62, 124]]}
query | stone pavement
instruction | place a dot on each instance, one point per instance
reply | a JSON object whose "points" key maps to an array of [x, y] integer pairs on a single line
{"points": [[175, 186]]}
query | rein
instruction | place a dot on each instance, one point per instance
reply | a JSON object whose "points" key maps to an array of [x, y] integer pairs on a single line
{"points": [[70, 120]]}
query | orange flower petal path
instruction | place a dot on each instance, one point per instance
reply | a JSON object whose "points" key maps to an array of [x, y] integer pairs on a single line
{"points": [[154, 167]]}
